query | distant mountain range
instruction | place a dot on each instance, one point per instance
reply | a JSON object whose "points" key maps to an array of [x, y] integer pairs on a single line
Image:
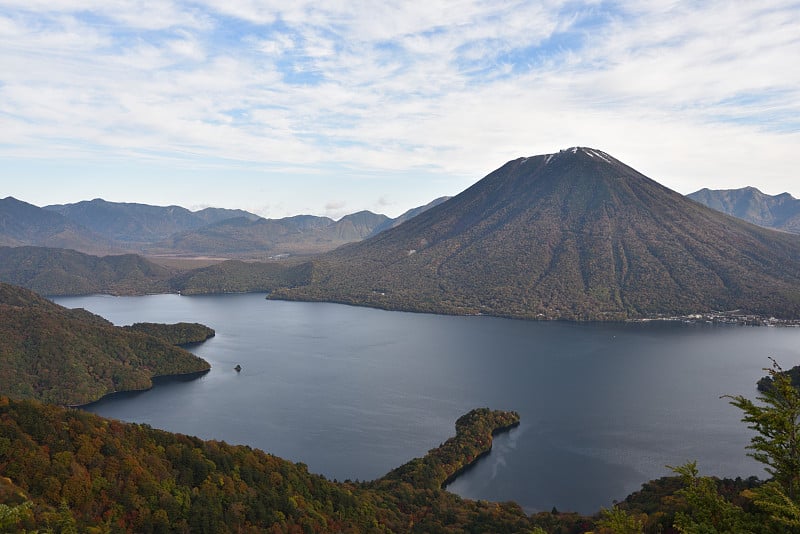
{"points": [[25, 224], [141, 223], [101, 227], [410, 214], [299, 235], [781, 212], [573, 235]]}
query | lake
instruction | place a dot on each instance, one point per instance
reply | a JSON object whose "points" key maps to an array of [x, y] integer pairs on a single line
{"points": [[354, 392]]}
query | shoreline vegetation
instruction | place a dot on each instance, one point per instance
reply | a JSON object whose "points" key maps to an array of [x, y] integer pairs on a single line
{"points": [[73, 357], [68, 470], [71, 468], [442, 465], [57, 272], [65, 469], [180, 334], [155, 381]]}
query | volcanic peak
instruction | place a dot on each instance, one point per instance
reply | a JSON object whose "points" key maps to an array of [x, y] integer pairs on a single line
{"points": [[591, 152]]}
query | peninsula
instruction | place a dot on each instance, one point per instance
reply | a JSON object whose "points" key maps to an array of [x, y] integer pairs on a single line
{"points": [[73, 357]]}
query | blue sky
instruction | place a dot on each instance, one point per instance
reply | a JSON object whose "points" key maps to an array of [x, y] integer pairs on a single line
{"points": [[336, 106]]}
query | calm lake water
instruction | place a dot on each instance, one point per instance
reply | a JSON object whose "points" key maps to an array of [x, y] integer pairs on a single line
{"points": [[354, 392]]}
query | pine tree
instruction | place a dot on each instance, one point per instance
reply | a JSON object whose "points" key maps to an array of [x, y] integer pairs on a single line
{"points": [[777, 445], [777, 423]]}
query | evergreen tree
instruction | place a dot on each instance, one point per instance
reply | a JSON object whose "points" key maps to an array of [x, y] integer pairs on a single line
{"points": [[777, 444], [708, 512], [777, 423]]}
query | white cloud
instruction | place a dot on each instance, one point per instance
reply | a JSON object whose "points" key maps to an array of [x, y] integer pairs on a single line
{"points": [[138, 14], [455, 86]]}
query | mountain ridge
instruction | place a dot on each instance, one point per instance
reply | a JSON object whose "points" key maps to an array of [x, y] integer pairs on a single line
{"points": [[130, 222], [779, 212], [100, 227], [297, 235], [22, 223]]}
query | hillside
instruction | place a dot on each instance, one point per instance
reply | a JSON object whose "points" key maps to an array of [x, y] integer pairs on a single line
{"points": [[67, 272], [575, 235], [299, 235], [235, 276], [25, 224], [70, 469], [63, 356], [174, 334], [410, 214], [131, 223], [780, 212], [53, 271]]}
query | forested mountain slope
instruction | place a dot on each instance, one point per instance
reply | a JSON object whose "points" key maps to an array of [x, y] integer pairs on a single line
{"points": [[62, 356], [575, 235], [55, 271], [69, 469]]}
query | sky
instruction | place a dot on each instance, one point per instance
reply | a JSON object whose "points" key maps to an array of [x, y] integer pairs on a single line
{"points": [[330, 107]]}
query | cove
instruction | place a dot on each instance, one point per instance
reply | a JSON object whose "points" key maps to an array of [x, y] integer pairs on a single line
{"points": [[355, 392]]}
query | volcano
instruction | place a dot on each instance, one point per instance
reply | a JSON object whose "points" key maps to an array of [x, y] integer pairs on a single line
{"points": [[574, 235]]}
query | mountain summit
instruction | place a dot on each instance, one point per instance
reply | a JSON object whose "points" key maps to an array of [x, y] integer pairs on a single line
{"points": [[574, 235], [780, 212]]}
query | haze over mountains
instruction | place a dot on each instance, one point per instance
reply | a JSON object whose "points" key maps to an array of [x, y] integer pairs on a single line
{"points": [[25, 224], [302, 234], [573, 235], [141, 223], [781, 212], [101, 227]]}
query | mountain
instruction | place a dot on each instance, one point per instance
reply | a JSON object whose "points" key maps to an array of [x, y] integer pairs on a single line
{"points": [[101, 227], [53, 271], [234, 276], [574, 235], [299, 235], [140, 223], [25, 224], [781, 212], [410, 214], [68, 272], [63, 356]]}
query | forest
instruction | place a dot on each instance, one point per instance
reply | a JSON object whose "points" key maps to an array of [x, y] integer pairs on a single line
{"points": [[72, 357], [65, 470]]}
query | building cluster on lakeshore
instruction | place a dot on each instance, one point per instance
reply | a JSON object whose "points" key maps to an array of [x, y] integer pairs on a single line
{"points": [[727, 317]]}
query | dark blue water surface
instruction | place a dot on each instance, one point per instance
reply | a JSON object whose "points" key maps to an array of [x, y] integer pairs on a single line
{"points": [[354, 392]]}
